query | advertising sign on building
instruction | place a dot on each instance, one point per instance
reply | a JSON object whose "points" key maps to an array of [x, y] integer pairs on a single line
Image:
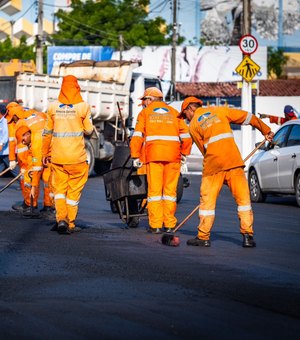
{"points": [[68, 54], [194, 64]]}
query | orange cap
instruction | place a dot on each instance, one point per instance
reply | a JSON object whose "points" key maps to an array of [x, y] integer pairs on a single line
{"points": [[187, 101], [20, 132], [152, 92]]}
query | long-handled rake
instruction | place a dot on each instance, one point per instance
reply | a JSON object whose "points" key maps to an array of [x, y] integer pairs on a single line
{"points": [[173, 240]]}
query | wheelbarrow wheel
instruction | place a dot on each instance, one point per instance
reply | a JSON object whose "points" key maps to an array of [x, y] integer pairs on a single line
{"points": [[133, 222]]}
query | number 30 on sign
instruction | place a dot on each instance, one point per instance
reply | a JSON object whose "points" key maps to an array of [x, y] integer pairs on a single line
{"points": [[248, 44]]}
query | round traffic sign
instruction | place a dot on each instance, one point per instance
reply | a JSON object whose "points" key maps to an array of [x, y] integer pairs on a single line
{"points": [[248, 44]]}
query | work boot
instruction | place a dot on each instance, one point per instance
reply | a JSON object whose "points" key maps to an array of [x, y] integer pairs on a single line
{"points": [[248, 241], [169, 230], [154, 230], [19, 206], [48, 213], [63, 228], [198, 242], [31, 212]]}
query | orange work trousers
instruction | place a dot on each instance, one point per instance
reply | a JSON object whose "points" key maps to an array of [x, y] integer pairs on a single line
{"points": [[209, 192], [48, 190], [162, 178], [68, 182]]}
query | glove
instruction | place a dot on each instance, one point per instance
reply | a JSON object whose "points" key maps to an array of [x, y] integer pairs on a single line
{"points": [[261, 115], [137, 163], [183, 168], [12, 164]]}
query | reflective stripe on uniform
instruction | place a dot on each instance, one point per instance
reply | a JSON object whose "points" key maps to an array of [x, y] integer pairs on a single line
{"points": [[72, 202], [67, 134], [137, 134], [169, 198], [170, 138], [244, 208], [27, 185], [11, 139], [59, 196], [206, 212], [184, 135], [47, 132], [248, 118], [154, 198], [37, 168], [218, 138], [21, 150]]}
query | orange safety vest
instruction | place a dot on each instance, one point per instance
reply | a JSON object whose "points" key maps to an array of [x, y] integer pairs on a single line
{"points": [[65, 128], [211, 131], [164, 135]]}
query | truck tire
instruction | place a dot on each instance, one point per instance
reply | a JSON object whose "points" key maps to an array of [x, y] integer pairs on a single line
{"points": [[179, 188], [90, 155]]}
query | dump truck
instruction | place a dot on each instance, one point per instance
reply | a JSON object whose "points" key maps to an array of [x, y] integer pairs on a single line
{"points": [[112, 89]]}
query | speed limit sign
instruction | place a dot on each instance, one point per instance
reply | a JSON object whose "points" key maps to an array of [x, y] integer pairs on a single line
{"points": [[248, 44]]}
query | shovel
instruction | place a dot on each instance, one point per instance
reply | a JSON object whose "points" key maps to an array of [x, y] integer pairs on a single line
{"points": [[174, 241]]}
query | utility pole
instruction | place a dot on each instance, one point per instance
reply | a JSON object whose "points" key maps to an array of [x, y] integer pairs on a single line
{"points": [[121, 46], [246, 131], [173, 57], [39, 39], [12, 22]]}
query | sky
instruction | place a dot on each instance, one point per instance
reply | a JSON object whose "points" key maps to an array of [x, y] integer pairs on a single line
{"points": [[186, 18]]}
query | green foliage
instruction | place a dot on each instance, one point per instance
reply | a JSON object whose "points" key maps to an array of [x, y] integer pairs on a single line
{"points": [[276, 61], [22, 51], [101, 23]]}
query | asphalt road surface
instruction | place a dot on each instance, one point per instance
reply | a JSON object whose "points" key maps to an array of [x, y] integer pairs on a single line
{"points": [[110, 282]]}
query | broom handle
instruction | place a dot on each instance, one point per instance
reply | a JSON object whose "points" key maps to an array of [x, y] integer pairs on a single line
{"points": [[11, 182], [5, 171], [197, 207], [187, 218]]}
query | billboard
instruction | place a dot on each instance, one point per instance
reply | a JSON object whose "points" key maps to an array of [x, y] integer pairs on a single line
{"points": [[195, 64], [68, 54]]}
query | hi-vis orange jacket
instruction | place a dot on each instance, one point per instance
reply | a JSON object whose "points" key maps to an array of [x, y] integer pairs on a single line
{"points": [[35, 122], [211, 131], [280, 120], [65, 127], [165, 135]]}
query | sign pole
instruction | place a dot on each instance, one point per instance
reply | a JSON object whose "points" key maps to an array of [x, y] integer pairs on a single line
{"points": [[247, 69]]}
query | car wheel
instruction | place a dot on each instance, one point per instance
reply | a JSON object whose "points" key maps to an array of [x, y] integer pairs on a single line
{"points": [[256, 194], [297, 189]]}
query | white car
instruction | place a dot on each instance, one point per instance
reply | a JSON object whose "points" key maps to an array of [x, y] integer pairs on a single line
{"points": [[275, 169]]}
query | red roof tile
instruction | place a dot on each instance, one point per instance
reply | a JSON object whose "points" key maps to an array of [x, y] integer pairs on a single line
{"points": [[278, 87]]}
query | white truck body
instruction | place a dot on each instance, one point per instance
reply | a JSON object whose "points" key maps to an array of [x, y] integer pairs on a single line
{"points": [[103, 85]]}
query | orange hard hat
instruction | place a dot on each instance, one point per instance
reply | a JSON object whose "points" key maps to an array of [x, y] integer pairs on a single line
{"points": [[20, 132], [187, 101], [12, 110], [152, 92]]}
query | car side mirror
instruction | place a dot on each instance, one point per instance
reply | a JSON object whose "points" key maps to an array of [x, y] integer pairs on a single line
{"points": [[262, 147]]}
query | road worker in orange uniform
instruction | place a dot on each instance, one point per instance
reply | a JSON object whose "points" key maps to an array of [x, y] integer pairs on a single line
{"points": [[35, 122], [165, 140], [289, 114], [222, 163], [68, 119]]}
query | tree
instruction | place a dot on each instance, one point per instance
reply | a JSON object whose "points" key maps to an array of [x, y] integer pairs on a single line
{"points": [[22, 51], [276, 61], [102, 23]]}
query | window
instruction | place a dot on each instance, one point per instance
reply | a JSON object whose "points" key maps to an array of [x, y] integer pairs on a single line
{"points": [[279, 138], [294, 137]]}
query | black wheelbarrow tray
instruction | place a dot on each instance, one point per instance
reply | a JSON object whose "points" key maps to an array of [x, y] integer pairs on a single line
{"points": [[127, 191]]}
